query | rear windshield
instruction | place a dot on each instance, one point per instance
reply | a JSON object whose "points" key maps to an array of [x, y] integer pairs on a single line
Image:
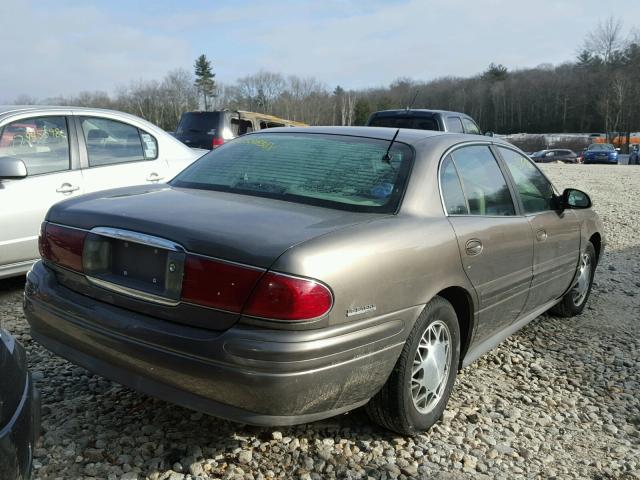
{"points": [[198, 122], [606, 147], [334, 171], [414, 122]]}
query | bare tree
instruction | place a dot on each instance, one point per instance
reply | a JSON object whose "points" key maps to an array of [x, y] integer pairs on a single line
{"points": [[606, 40]]}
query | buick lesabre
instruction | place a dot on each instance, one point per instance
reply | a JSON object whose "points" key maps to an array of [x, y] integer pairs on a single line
{"points": [[295, 274]]}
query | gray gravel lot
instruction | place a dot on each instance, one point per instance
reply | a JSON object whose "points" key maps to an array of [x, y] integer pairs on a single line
{"points": [[561, 398]]}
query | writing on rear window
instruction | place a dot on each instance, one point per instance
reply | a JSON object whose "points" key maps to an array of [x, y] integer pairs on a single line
{"points": [[327, 170]]}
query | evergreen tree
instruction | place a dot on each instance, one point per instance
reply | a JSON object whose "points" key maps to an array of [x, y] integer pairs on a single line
{"points": [[496, 72], [205, 82]]}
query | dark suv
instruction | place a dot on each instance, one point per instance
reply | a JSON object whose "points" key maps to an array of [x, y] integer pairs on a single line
{"points": [[211, 129], [420, 119]]}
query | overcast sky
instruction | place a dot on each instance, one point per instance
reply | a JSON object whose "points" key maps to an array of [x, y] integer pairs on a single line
{"points": [[64, 47]]}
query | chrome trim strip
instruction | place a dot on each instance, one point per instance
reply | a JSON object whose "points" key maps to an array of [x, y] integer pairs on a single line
{"points": [[135, 237], [140, 295]]}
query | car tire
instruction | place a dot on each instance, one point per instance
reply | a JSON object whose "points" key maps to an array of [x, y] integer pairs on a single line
{"points": [[575, 299], [412, 400]]}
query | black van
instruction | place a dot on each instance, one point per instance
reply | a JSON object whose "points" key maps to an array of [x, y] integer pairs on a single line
{"points": [[211, 129], [421, 119]]}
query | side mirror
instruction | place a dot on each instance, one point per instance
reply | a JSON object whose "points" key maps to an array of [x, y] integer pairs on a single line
{"points": [[575, 199], [488, 134], [12, 168]]}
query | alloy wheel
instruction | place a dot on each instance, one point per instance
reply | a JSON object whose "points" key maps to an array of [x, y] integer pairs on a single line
{"points": [[431, 366]]}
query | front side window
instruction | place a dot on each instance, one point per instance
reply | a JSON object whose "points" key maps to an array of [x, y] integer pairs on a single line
{"points": [[454, 125], [336, 171], [42, 143], [470, 126], [484, 185], [111, 142], [452, 193], [536, 192]]}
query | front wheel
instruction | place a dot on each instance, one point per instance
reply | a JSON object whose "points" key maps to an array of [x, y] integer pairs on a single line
{"points": [[418, 389], [575, 299]]}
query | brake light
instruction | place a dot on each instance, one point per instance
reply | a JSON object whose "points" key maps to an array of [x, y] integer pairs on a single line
{"points": [[217, 142], [283, 297], [217, 284], [62, 245]]}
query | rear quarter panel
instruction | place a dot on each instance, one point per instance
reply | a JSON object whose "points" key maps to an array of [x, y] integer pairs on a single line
{"points": [[393, 263]]}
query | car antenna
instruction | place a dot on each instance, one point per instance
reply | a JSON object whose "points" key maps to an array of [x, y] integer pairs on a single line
{"points": [[415, 95], [387, 157]]}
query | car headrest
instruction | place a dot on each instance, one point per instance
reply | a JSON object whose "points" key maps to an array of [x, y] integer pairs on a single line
{"points": [[96, 134]]}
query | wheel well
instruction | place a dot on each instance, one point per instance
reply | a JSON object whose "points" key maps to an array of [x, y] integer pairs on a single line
{"points": [[596, 240], [461, 301]]}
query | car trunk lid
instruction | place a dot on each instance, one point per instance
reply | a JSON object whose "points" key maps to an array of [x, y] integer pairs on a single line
{"points": [[138, 239]]}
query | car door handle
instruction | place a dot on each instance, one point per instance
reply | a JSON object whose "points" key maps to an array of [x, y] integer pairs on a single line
{"points": [[541, 235], [154, 177], [67, 188], [473, 247]]}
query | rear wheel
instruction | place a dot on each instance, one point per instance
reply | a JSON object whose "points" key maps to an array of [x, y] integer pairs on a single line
{"points": [[575, 299], [419, 387]]}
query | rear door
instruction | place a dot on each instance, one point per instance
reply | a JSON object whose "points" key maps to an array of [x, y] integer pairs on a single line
{"points": [[556, 234], [495, 242], [118, 154], [47, 146]]}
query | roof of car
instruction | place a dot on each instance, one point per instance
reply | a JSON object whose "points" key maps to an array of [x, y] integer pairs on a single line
{"points": [[383, 133], [418, 110], [6, 110], [406, 135]]}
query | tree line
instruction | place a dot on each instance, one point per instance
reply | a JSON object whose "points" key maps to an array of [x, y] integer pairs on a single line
{"points": [[598, 91]]}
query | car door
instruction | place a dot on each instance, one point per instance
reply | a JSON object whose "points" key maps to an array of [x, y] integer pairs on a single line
{"points": [[118, 154], [556, 233], [495, 242], [47, 146]]}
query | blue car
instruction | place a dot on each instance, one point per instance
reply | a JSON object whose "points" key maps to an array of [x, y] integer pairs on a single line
{"points": [[600, 153]]}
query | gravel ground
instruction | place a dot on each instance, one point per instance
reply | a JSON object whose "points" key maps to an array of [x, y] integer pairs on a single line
{"points": [[561, 398]]}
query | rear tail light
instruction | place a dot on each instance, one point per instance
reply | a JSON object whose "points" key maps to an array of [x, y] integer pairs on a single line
{"points": [[62, 245], [217, 142], [283, 297], [217, 284]]}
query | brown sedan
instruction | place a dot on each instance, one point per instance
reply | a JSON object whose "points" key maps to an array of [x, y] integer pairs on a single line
{"points": [[295, 274]]}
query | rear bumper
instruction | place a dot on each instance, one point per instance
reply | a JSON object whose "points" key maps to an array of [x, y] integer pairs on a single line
{"points": [[18, 437], [247, 374]]}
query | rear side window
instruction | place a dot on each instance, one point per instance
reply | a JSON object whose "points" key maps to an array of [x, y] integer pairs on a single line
{"points": [[414, 122], [452, 193], [110, 142], [336, 171], [470, 126], [42, 143], [454, 125], [484, 186], [536, 192]]}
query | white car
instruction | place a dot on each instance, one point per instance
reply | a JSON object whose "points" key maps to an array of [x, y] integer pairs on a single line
{"points": [[48, 154]]}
